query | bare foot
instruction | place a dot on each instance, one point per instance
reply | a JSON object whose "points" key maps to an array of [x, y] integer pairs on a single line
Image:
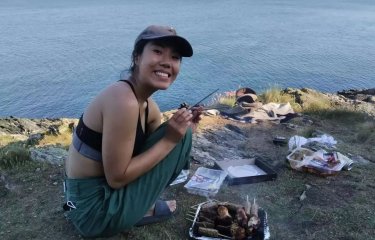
{"points": [[171, 204]]}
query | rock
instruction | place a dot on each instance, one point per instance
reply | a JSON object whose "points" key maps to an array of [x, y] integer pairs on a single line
{"points": [[71, 126], [370, 99], [212, 112], [53, 155], [202, 157], [35, 138], [218, 144], [53, 130], [25, 126], [234, 129], [366, 95]]}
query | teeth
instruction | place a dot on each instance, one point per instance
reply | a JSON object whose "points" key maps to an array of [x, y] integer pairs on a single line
{"points": [[161, 74]]}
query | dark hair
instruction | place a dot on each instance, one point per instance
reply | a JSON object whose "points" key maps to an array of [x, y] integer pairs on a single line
{"points": [[138, 50]]}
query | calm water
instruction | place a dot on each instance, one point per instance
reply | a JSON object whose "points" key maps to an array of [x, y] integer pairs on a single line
{"points": [[55, 57]]}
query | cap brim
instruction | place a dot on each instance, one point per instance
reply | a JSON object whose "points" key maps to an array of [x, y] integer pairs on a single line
{"points": [[183, 46]]}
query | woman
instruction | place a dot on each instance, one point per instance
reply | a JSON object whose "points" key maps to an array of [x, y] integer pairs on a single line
{"points": [[122, 157]]}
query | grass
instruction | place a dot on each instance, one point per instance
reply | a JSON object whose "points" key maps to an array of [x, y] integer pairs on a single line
{"points": [[366, 132], [356, 129], [13, 154], [8, 139], [342, 115], [314, 103], [275, 94], [64, 138], [226, 98]]}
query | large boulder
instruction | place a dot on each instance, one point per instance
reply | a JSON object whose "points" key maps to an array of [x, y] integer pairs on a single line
{"points": [[50, 154]]}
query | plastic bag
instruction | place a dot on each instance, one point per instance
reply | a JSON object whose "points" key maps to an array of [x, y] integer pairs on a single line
{"points": [[298, 141]]}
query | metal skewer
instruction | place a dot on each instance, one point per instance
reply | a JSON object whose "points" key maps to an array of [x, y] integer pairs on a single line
{"points": [[203, 99]]}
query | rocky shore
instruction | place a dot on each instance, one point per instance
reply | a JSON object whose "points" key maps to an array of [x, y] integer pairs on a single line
{"points": [[33, 131], [32, 194]]}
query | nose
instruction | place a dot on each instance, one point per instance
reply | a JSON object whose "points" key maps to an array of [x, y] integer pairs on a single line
{"points": [[165, 64], [167, 58], [166, 61]]}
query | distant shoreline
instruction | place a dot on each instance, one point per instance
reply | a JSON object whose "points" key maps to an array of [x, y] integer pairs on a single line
{"points": [[27, 126]]}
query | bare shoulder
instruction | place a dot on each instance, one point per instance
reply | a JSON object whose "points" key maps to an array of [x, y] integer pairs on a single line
{"points": [[117, 95], [114, 99], [116, 102], [120, 111]]}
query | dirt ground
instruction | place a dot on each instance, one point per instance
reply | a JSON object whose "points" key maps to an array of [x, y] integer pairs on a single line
{"points": [[335, 207]]}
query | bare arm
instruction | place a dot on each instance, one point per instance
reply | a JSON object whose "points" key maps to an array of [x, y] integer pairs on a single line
{"points": [[120, 117]]}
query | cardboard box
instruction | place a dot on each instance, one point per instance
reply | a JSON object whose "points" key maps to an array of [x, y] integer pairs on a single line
{"points": [[245, 170]]}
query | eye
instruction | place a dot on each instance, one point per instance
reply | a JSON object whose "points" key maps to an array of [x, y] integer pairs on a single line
{"points": [[157, 51], [176, 57]]}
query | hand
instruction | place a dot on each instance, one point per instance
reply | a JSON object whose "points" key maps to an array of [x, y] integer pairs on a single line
{"points": [[197, 112], [178, 125]]}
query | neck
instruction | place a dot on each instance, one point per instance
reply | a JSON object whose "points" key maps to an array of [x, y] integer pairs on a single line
{"points": [[143, 92]]}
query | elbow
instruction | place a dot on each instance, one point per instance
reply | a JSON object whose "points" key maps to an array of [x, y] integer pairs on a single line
{"points": [[115, 183], [116, 179]]}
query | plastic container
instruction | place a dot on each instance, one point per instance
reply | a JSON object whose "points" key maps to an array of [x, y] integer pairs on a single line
{"points": [[296, 157], [206, 182], [319, 162]]}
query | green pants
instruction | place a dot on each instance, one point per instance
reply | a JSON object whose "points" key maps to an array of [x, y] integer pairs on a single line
{"points": [[104, 211]]}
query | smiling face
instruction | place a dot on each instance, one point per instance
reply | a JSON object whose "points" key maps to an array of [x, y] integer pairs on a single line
{"points": [[158, 65]]}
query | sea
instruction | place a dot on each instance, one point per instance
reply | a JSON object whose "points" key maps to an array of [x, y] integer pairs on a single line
{"points": [[56, 56]]}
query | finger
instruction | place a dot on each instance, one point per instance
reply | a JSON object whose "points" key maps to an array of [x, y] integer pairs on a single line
{"points": [[198, 108], [184, 116], [197, 113], [177, 114]]}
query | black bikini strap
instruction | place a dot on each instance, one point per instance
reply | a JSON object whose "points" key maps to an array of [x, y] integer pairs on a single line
{"points": [[146, 113], [131, 86], [146, 117]]}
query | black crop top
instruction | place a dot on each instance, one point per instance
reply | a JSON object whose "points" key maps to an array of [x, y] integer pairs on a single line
{"points": [[94, 139]]}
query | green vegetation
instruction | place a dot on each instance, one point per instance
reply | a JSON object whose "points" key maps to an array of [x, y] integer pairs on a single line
{"points": [[226, 99], [343, 115], [275, 94], [366, 132], [14, 150], [13, 154]]}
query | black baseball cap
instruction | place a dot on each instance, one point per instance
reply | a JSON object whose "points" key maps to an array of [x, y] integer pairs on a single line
{"points": [[155, 32]]}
